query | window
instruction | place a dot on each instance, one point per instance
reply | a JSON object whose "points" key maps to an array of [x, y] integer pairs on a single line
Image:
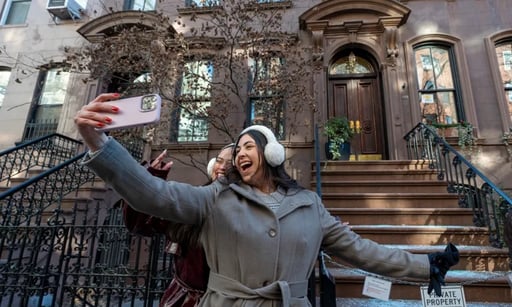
{"points": [[504, 56], [15, 12], [201, 3], [265, 93], [48, 98], [5, 74], [437, 87], [54, 87], [140, 5], [351, 64], [195, 101]]}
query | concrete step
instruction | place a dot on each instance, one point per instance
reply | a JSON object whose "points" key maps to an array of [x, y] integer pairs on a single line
{"points": [[390, 186], [403, 204], [482, 287], [371, 302], [405, 216], [428, 235], [371, 164], [378, 175], [26, 175], [71, 203], [472, 257], [389, 200]]}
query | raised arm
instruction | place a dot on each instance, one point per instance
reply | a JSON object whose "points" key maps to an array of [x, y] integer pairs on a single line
{"points": [[178, 202], [170, 200]]}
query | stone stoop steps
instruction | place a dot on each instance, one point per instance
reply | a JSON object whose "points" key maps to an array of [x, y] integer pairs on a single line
{"points": [[361, 302], [402, 204]]}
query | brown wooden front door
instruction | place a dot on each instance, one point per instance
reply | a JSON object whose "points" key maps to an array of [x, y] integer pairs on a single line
{"points": [[359, 100]]}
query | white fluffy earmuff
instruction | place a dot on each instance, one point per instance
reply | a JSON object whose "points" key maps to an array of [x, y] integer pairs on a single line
{"points": [[274, 152], [209, 168]]}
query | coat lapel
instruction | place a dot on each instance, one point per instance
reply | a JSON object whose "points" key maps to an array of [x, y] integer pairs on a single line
{"points": [[292, 202]]}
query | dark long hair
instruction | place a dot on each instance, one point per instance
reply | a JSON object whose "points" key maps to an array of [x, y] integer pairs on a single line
{"points": [[187, 236], [277, 175]]}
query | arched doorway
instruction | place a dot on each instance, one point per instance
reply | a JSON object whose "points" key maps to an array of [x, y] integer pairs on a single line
{"points": [[354, 92]]}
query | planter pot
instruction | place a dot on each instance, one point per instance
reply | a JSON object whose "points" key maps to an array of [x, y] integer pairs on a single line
{"points": [[344, 151]]}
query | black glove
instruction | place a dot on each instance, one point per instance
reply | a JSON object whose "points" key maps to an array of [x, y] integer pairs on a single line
{"points": [[440, 263]]}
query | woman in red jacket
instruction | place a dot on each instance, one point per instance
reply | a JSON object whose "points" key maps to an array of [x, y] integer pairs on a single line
{"points": [[190, 270]]}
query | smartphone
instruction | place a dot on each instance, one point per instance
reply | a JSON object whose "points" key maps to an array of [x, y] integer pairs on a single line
{"points": [[135, 111]]}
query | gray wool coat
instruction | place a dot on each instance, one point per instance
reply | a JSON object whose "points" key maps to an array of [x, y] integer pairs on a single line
{"points": [[257, 257]]}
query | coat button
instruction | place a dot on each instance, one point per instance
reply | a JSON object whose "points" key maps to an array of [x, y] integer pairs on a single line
{"points": [[272, 233]]}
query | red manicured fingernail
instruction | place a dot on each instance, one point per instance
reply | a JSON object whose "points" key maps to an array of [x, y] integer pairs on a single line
{"points": [[99, 125], [115, 109], [108, 119], [116, 94]]}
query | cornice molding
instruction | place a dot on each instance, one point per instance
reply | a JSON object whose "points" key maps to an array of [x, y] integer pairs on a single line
{"points": [[105, 25]]}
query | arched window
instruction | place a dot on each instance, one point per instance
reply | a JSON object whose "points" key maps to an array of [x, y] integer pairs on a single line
{"points": [[504, 57], [438, 92], [351, 64]]}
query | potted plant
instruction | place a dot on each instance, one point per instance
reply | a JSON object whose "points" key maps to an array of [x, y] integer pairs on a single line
{"points": [[462, 130], [339, 131]]}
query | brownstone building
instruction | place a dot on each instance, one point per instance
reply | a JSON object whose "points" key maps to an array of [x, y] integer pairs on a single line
{"points": [[385, 64]]}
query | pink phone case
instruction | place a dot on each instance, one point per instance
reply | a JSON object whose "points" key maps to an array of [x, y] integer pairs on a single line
{"points": [[135, 111]]}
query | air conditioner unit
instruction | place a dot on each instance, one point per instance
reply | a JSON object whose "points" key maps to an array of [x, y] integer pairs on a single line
{"points": [[65, 9]]}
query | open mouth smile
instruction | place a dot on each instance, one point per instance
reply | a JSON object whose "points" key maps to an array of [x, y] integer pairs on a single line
{"points": [[245, 165]]}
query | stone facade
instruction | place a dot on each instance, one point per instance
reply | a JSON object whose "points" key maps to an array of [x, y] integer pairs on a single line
{"points": [[387, 98]]}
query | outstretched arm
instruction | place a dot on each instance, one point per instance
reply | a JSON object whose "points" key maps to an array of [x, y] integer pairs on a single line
{"points": [[170, 200]]}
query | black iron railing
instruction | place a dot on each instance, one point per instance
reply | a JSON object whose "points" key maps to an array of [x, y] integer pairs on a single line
{"points": [[45, 152], [492, 208], [57, 243], [27, 201], [327, 283]]}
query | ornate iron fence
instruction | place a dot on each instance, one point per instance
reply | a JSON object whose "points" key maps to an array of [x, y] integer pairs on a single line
{"points": [[491, 206], [44, 152], [65, 246]]}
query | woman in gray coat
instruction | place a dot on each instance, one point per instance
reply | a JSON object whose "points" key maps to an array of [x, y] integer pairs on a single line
{"points": [[261, 232]]}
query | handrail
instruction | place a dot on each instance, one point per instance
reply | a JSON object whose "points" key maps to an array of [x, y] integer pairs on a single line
{"points": [[317, 165], [492, 208], [21, 203], [29, 199], [46, 152]]}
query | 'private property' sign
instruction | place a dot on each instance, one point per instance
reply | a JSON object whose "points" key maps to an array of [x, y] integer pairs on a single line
{"points": [[451, 296]]}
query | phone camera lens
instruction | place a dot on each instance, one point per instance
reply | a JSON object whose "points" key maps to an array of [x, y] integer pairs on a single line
{"points": [[149, 103]]}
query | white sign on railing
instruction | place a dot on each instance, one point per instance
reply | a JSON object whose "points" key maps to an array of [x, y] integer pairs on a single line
{"points": [[451, 296], [377, 288]]}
